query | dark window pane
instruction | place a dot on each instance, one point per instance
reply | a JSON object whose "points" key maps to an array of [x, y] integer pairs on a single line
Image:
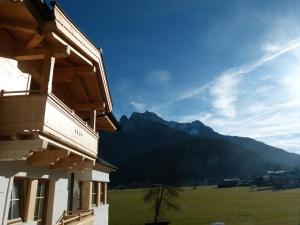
{"points": [[79, 205], [94, 199], [16, 190], [38, 190], [42, 189], [102, 195], [94, 190], [41, 209], [16, 212]]}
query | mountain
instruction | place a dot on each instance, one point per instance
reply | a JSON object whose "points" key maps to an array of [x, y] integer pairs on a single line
{"points": [[147, 141]]}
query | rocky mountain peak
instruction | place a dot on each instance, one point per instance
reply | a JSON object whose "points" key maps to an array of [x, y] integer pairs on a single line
{"points": [[195, 128]]}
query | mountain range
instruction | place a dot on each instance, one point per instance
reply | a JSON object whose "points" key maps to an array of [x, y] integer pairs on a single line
{"points": [[146, 142]]}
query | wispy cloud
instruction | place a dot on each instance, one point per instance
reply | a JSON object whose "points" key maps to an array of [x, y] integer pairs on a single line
{"points": [[224, 92], [224, 88], [138, 106], [160, 77], [270, 47]]}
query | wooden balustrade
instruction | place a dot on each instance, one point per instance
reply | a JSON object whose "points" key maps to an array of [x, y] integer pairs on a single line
{"points": [[70, 216], [44, 114]]}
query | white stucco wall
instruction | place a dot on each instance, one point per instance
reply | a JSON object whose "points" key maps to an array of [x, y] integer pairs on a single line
{"points": [[101, 213], [94, 175], [100, 176], [58, 188], [11, 77], [4, 190], [60, 202]]}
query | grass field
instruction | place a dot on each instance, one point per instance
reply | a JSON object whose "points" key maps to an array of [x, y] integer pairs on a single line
{"points": [[204, 205]]}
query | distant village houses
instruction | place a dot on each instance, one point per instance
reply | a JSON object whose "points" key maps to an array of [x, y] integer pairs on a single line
{"points": [[285, 179]]}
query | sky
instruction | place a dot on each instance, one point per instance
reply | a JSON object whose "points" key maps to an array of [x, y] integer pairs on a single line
{"points": [[234, 65]]}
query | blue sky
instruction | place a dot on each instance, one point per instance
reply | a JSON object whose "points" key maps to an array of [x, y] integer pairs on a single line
{"points": [[234, 65]]}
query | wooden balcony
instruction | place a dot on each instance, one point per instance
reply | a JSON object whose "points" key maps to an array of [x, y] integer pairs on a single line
{"points": [[38, 118]]}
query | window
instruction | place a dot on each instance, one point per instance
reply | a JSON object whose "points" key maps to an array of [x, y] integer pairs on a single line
{"points": [[79, 200], [16, 209], [94, 192], [41, 198], [103, 193]]}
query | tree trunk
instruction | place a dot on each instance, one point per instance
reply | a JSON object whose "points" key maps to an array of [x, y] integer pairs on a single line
{"points": [[158, 203]]}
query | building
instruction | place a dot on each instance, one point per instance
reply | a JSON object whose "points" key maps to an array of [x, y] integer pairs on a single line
{"points": [[229, 182], [284, 179], [54, 98]]}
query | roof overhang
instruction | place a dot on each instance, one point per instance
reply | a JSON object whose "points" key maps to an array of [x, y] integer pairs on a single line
{"points": [[67, 29], [103, 166], [108, 122]]}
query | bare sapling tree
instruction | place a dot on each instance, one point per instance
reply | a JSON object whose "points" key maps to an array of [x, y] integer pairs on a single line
{"points": [[166, 190]]}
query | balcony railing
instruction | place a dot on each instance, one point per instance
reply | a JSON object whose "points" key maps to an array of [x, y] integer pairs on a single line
{"points": [[82, 217], [46, 114]]}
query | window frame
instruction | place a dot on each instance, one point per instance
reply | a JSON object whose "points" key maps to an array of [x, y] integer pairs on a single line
{"points": [[94, 193], [22, 200], [102, 193], [38, 198]]}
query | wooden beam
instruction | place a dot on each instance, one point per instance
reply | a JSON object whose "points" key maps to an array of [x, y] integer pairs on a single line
{"points": [[87, 195], [31, 199], [75, 70], [19, 149], [73, 50], [67, 162], [105, 193], [99, 194], [88, 106], [38, 54], [47, 74], [18, 26], [35, 41], [48, 157], [67, 74], [83, 165], [62, 79]]}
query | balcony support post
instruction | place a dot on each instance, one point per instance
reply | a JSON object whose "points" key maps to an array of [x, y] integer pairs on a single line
{"points": [[47, 74], [105, 193], [92, 121], [99, 194]]}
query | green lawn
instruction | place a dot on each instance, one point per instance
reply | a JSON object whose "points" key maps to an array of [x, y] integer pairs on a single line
{"points": [[204, 205]]}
